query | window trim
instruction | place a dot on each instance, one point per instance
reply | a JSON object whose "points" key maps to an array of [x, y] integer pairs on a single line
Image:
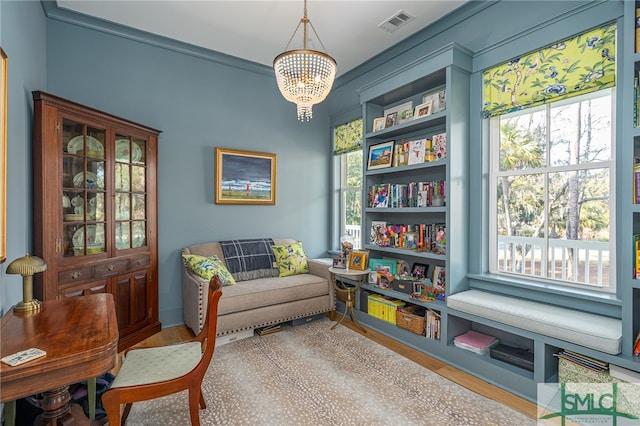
{"points": [[336, 222]]}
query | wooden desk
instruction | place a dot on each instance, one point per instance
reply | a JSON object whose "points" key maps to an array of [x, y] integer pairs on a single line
{"points": [[80, 336]]}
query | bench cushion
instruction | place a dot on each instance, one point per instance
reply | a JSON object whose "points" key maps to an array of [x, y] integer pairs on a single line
{"points": [[582, 328]]}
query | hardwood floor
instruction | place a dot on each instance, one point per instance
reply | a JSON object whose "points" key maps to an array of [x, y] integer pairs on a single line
{"points": [[179, 333]]}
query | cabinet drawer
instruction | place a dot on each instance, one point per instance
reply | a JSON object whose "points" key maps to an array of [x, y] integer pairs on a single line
{"points": [[84, 290], [74, 275], [109, 269], [139, 262]]}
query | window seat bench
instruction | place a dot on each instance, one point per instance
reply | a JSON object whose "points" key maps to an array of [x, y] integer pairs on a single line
{"points": [[590, 330]]}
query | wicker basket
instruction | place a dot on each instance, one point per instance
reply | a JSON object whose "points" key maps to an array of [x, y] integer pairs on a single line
{"points": [[406, 318]]}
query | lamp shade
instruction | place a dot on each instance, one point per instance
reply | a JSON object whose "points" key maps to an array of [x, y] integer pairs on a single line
{"points": [[27, 266]]}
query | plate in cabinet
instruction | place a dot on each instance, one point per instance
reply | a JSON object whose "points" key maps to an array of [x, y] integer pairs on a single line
{"points": [[122, 151], [95, 237], [94, 147], [92, 180]]}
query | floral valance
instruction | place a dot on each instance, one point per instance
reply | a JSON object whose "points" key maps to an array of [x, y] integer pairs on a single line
{"points": [[579, 65], [348, 137]]}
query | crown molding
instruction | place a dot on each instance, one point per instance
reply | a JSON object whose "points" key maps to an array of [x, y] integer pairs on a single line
{"points": [[53, 11]]}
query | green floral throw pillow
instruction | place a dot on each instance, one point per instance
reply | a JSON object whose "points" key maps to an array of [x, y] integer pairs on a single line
{"points": [[291, 259], [207, 267]]}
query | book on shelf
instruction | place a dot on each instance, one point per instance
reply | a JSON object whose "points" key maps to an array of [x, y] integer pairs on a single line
{"points": [[636, 100], [475, 342], [636, 180], [377, 232], [636, 345], [432, 326], [440, 146], [636, 256], [417, 151], [637, 25], [379, 196], [412, 194]]}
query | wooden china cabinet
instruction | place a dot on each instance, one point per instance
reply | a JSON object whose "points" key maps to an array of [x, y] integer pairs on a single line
{"points": [[95, 211]]}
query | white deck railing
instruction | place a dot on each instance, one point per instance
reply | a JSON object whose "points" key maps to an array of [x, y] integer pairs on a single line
{"points": [[354, 231], [582, 262]]}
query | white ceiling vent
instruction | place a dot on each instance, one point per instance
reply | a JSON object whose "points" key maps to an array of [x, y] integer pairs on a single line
{"points": [[399, 19]]}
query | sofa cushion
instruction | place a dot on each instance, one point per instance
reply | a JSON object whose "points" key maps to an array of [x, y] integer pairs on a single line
{"points": [[291, 259], [250, 258], [207, 267], [271, 291]]}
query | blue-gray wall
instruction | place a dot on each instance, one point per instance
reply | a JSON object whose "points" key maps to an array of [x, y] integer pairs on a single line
{"points": [[22, 37], [200, 104], [201, 100]]}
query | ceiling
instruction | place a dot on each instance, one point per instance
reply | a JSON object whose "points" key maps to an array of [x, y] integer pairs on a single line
{"points": [[259, 30]]}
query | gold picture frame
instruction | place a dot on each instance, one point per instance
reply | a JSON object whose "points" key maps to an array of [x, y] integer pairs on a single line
{"points": [[3, 155], [358, 260], [378, 123], [245, 177]]}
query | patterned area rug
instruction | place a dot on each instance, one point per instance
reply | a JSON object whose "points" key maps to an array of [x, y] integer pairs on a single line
{"points": [[311, 375]]}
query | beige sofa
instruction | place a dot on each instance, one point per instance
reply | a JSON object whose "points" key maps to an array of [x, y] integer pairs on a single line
{"points": [[257, 302]]}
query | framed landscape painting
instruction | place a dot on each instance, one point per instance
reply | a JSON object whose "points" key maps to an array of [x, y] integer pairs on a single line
{"points": [[380, 155], [245, 177]]}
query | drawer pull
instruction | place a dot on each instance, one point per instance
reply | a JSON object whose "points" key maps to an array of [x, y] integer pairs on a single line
{"points": [[75, 275], [140, 261], [111, 268]]}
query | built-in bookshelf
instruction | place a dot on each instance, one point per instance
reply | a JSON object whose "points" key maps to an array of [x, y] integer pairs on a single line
{"points": [[415, 144], [631, 132], [448, 70]]}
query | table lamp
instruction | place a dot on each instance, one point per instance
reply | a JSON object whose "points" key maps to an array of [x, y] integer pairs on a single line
{"points": [[27, 266]]}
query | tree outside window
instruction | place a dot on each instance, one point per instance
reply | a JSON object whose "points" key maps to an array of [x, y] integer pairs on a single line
{"points": [[552, 192]]}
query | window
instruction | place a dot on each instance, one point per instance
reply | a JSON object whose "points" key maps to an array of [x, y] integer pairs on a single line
{"points": [[552, 192], [348, 185]]}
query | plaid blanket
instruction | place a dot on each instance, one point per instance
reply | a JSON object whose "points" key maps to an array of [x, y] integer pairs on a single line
{"points": [[249, 259]]}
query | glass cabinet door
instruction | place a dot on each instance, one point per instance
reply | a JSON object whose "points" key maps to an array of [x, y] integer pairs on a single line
{"points": [[130, 203], [83, 189]]}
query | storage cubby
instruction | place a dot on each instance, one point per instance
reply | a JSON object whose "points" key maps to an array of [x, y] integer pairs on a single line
{"points": [[458, 326], [550, 367]]}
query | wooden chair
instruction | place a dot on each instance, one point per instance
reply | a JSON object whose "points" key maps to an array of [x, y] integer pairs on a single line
{"points": [[149, 373]]}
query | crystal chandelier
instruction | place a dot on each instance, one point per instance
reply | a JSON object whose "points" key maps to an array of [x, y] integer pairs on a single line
{"points": [[304, 76]]}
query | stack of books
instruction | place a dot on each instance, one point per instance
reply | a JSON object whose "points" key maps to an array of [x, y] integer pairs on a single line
{"points": [[475, 342], [270, 329]]}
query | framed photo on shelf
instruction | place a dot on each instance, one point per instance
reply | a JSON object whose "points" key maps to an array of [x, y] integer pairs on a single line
{"points": [[423, 109], [358, 260], [419, 271], [379, 265], [398, 109], [439, 100], [391, 120], [380, 155], [373, 277], [245, 177], [404, 116], [378, 124], [338, 262], [439, 277]]}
